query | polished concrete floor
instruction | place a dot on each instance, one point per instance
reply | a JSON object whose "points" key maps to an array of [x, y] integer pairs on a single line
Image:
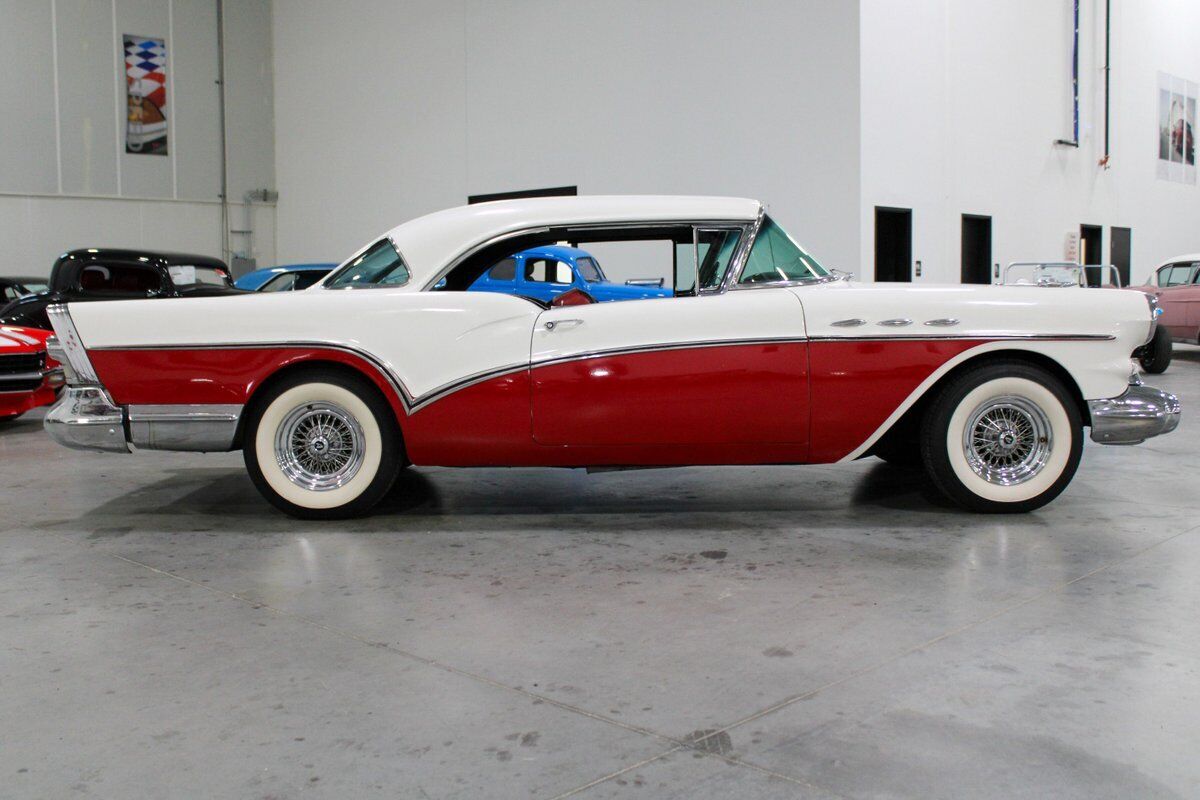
{"points": [[703, 633]]}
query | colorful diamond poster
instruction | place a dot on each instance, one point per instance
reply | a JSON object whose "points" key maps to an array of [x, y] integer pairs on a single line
{"points": [[146, 95]]}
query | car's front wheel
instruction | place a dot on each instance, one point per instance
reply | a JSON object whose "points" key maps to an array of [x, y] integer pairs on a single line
{"points": [[1004, 437], [1156, 356], [321, 444]]}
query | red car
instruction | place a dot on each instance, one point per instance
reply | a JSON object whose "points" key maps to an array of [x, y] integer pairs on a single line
{"points": [[28, 377], [1176, 285]]}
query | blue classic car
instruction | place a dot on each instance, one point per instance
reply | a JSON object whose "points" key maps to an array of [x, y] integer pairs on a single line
{"points": [[543, 273], [284, 278]]}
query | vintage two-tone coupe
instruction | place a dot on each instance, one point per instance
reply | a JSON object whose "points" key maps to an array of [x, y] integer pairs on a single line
{"points": [[760, 356]]}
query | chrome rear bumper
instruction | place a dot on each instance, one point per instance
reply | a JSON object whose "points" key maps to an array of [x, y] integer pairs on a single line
{"points": [[85, 418], [1134, 417]]}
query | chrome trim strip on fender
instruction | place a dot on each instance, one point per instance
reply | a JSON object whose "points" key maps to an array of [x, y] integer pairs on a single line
{"points": [[849, 323], [944, 322], [195, 427], [653, 348], [990, 337], [898, 322], [454, 386]]}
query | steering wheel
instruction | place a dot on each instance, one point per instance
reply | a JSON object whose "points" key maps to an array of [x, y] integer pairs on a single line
{"points": [[572, 297]]}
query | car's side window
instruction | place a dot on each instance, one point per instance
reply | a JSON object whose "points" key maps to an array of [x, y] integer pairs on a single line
{"points": [[714, 253], [284, 282], [119, 279], [547, 270], [505, 270], [10, 293], [1174, 275]]}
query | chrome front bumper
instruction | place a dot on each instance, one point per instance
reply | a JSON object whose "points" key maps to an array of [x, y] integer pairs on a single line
{"points": [[1134, 417], [85, 418]]}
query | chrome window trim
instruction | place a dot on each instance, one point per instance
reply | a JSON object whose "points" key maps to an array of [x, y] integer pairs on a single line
{"points": [[71, 345], [584, 226], [746, 231], [733, 275]]}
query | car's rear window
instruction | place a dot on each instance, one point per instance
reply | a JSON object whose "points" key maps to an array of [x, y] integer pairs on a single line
{"points": [[589, 269], [378, 265], [184, 275]]}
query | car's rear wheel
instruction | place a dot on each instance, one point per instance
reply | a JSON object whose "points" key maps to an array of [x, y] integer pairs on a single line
{"points": [[322, 444], [1156, 356], [1005, 437]]}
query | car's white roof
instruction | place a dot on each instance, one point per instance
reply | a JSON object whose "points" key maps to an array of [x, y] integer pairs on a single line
{"points": [[1179, 259], [429, 243]]}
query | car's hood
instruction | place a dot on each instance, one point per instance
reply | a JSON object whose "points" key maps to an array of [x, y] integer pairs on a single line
{"points": [[16, 339]]}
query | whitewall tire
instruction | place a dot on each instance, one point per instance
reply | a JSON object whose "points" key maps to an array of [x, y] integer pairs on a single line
{"points": [[322, 444], [1003, 437]]}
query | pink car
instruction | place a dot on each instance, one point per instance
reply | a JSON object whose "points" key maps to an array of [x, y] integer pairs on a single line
{"points": [[1176, 285]]}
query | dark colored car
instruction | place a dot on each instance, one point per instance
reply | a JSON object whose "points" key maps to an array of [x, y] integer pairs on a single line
{"points": [[114, 274], [12, 287]]}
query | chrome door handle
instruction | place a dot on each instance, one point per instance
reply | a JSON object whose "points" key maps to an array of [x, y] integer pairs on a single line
{"points": [[562, 324]]}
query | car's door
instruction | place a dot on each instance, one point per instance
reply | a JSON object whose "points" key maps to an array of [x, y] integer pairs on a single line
{"points": [[715, 369], [1189, 298]]}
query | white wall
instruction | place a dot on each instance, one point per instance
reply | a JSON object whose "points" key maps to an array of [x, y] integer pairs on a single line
{"points": [[387, 110], [65, 181], [961, 103]]}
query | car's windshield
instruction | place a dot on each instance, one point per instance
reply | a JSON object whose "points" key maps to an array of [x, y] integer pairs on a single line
{"points": [[589, 270], [186, 275], [378, 265], [775, 257]]}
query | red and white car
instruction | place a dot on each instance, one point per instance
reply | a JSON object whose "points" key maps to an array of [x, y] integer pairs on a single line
{"points": [[28, 378], [762, 357]]}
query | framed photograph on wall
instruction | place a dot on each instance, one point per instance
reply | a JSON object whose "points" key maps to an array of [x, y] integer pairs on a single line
{"points": [[1176, 129]]}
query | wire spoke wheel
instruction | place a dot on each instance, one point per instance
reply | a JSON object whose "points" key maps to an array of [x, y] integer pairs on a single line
{"points": [[1007, 440], [319, 446]]}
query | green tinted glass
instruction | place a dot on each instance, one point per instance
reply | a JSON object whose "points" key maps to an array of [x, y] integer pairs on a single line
{"points": [[380, 265], [775, 257]]}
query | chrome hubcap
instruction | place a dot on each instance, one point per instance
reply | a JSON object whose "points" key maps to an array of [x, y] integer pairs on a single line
{"points": [[319, 446], [1007, 440]]}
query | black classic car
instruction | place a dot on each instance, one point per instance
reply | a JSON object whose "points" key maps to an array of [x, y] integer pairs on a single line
{"points": [[12, 287], [113, 274]]}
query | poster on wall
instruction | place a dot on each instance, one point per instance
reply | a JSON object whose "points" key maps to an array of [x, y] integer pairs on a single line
{"points": [[1176, 128], [146, 95]]}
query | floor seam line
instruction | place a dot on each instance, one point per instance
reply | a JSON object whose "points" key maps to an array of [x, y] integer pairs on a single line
{"points": [[616, 774]]}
